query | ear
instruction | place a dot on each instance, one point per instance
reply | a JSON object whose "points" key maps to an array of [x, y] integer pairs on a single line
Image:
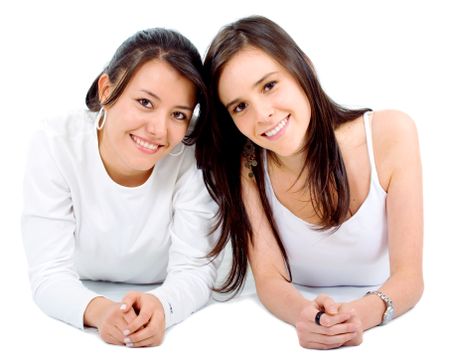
{"points": [[104, 87]]}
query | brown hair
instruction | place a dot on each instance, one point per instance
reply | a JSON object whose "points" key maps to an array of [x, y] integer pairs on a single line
{"points": [[221, 162], [144, 46]]}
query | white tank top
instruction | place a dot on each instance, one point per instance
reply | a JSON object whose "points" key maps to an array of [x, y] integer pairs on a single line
{"points": [[354, 255]]}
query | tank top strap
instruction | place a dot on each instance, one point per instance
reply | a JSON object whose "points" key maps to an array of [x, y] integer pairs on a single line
{"points": [[369, 141]]}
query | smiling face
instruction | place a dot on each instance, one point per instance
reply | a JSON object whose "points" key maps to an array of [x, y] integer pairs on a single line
{"points": [[146, 122], [265, 101]]}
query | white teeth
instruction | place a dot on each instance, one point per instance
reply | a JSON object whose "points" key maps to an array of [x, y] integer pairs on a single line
{"points": [[144, 144], [274, 131]]}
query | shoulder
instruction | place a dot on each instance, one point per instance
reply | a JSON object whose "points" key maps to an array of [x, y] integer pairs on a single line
{"points": [[395, 141], [393, 125], [181, 165], [393, 131], [58, 136], [70, 125], [187, 158], [182, 168], [61, 130]]}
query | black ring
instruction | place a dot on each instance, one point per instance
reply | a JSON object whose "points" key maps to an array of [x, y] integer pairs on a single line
{"points": [[318, 315]]}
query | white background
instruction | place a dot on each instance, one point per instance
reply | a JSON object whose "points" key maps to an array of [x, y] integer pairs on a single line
{"points": [[380, 54]]}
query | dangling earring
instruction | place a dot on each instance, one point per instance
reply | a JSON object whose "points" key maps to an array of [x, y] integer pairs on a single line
{"points": [[250, 157], [177, 153], [101, 117]]}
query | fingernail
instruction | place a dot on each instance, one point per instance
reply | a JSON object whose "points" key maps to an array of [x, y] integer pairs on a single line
{"points": [[126, 332], [126, 340], [130, 345], [123, 307]]}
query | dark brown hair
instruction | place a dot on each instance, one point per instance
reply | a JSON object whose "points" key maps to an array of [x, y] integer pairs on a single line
{"points": [[146, 45], [220, 145]]}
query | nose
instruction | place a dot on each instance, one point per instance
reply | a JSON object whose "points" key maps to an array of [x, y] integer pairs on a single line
{"points": [[157, 125], [264, 111]]}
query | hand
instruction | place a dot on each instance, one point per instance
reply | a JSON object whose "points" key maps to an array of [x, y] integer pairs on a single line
{"points": [[356, 321], [336, 326], [148, 328], [109, 319]]}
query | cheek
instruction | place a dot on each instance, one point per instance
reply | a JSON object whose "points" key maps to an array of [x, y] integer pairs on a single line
{"points": [[178, 131], [242, 125]]}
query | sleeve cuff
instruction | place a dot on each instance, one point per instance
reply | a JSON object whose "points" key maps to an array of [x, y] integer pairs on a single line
{"points": [[159, 293]]}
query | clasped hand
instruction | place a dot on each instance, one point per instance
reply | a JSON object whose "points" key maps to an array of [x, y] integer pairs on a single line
{"points": [[339, 325], [138, 321]]}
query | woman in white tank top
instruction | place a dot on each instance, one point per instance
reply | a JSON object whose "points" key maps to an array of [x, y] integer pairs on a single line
{"points": [[310, 192]]}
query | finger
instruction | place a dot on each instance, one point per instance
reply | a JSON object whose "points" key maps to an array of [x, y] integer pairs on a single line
{"points": [[122, 326], [327, 320], [327, 303], [149, 342], [338, 339], [151, 334], [141, 320], [336, 329], [355, 341], [148, 337], [154, 327], [321, 346], [113, 340], [129, 316], [129, 300], [142, 338], [112, 334]]}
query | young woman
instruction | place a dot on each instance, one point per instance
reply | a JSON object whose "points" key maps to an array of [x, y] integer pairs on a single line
{"points": [[113, 194], [309, 192]]}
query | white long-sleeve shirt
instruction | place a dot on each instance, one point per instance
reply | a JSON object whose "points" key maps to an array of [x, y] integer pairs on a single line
{"points": [[79, 224]]}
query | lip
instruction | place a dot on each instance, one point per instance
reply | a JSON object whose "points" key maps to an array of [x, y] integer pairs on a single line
{"points": [[281, 132], [142, 148]]}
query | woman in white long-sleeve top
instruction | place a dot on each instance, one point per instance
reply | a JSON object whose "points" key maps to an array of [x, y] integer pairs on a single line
{"points": [[113, 194]]}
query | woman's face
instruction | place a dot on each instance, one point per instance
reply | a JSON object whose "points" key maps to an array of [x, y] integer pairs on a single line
{"points": [[265, 101], [147, 121]]}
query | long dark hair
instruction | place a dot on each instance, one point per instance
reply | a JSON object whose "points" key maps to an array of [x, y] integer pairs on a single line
{"points": [[220, 145], [146, 45]]}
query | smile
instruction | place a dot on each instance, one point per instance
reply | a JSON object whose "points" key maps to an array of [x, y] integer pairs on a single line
{"points": [[277, 129], [144, 145]]}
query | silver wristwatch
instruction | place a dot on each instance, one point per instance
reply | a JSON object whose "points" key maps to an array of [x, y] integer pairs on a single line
{"points": [[389, 312]]}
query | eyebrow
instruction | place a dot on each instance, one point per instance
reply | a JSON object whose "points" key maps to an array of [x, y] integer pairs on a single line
{"points": [[188, 108], [257, 83]]}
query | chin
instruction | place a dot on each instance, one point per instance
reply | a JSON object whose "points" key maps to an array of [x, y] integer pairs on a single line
{"points": [[286, 152], [143, 167]]}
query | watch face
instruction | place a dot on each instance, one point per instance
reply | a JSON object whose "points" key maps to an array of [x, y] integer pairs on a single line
{"points": [[388, 315]]}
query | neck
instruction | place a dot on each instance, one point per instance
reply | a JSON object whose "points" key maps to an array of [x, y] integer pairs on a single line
{"points": [[292, 164]]}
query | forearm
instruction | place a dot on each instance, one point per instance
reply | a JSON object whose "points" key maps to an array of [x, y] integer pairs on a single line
{"points": [[63, 298], [281, 298], [185, 291], [405, 290]]}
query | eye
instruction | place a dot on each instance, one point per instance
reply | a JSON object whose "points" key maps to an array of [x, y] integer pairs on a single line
{"points": [[268, 86], [144, 102], [239, 108], [180, 116]]}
